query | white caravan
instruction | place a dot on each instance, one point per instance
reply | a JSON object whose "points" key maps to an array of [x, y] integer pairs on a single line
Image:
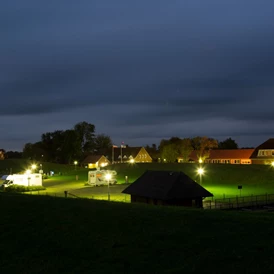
{"points": [[34, 179], [98, 177]]}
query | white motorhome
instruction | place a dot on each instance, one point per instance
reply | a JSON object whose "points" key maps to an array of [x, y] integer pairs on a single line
{"points": [[34, 179], [98, 177]]}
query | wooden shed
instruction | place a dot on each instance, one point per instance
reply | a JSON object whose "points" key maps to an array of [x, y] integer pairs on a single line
{"points": [[167, 188]]}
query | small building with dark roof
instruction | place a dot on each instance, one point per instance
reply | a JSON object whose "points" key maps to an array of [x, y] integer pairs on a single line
{"points": [[94, 161], [264, 153], [167, 188]]}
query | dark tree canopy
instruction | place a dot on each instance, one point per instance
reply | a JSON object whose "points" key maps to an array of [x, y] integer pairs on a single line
{"points": [[228, 144]]}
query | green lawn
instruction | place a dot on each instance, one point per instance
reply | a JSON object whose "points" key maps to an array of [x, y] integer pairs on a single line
{"points": [[62, 235], [220, 179]]}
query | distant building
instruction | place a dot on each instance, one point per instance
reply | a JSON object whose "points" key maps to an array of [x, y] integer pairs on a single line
{"points": [[129, 154], [224, 156], [167, 188], [264, 153], [95, 161]]}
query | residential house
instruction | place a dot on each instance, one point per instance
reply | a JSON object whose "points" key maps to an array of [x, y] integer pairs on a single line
{"points": [[167, 188], [264, 153], [95, 161], [225, 156], [129, 154]]}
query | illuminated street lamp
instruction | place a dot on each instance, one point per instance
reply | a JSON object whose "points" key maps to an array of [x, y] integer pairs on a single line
{"points": [[75, 164], [33, 167], [108, 177], [272, 163], [200, 172], [131, 161], [200, 161]]}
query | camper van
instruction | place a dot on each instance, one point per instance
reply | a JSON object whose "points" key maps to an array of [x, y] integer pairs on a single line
{"points": [[98, 177], [34, 179]]}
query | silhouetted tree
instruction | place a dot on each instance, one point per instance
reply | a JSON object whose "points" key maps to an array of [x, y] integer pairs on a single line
{"points": [[86, 135], [228, 144]]}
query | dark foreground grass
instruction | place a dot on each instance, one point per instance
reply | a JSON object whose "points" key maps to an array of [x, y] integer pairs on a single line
{"points": [[55, 235]]}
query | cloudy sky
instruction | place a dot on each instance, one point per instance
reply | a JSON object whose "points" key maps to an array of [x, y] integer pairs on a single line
{"points": [[140, 71]]}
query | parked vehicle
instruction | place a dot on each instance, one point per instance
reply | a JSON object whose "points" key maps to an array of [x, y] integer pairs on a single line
{"points": [[98, 177], [34, 179]]}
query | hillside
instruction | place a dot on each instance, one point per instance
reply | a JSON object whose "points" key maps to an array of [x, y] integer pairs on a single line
{"points": [[58, 235]]}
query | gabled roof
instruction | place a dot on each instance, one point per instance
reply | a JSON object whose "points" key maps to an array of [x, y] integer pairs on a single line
{"points": [[166, 185], [128, 151], [226, 154], [92, 159], [269, 144]]}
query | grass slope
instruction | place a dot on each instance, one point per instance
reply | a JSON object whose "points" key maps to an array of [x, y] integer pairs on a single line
{"points": [[55, 235], [220, 179], [8, 166]]}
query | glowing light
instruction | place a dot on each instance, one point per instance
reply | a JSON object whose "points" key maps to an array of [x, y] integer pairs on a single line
{"points": [[200, 160], [103, 164], [28, 171], [33, 166], [272, 163], [200, 171], [131, 161], [108, 176], [75, 162]]}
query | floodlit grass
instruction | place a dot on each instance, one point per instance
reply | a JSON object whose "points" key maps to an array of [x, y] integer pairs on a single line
{"points": [[59, 235], [222, 180]]}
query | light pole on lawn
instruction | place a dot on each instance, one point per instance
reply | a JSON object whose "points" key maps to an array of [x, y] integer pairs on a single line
{"points": [[75, 164], [28, 172], [33, 167], [108, 177], [200, 172]]}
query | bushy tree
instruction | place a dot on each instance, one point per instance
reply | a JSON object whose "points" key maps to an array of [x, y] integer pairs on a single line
{"points": [[202, 146], [102, 143], [228, 144], [169, 153]]}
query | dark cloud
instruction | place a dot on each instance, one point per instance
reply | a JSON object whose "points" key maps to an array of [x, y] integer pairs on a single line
{"points": [[139, 70]]}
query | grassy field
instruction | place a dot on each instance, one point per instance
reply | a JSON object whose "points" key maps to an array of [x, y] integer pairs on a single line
{"points": [[222, 180], [61, 235]]}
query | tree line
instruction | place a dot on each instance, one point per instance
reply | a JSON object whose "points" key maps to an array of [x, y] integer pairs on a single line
{"points": [[66, 146], [169, 150]]}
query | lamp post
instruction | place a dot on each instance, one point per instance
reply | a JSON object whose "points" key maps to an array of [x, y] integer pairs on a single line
{"points": [[33, 167], [108, 177], [75, 164], [28, 172], [200, 172]]}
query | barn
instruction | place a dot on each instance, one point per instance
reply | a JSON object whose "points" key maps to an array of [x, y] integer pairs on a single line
{"points": [[167, 188]]}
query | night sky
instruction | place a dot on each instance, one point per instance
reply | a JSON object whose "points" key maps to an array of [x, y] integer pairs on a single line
{"points": [[140, 71]]}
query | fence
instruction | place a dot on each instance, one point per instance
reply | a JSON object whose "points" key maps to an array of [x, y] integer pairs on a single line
{"points": [[253, 201], [66, 194]]}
